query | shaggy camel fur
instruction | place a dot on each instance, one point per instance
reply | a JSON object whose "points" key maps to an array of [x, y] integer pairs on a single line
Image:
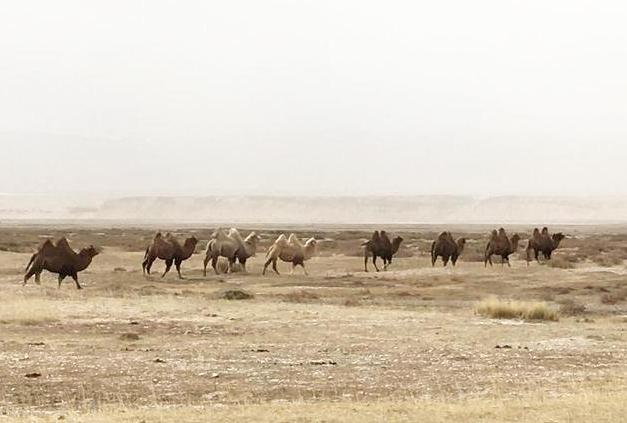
{"points": [[291, 251], [221, 244], [447, 248], [169, 249], [380, 246], [501, 245], [246, 248], [543, 243], [61, 259]]}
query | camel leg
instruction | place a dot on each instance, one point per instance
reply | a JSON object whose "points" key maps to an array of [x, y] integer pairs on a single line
{"points": [[265, 266], [61, 277], [168, 264], [365, 263], [293, 267], [243, 263], [434, 258], [304, 270], [177, 263], [374, 262], [28, 275], [231, 263], [445, 260], [205, 262], [454, 260], [274, 267], [75, 277], [214, 264], [38, 278], [149, 263]]}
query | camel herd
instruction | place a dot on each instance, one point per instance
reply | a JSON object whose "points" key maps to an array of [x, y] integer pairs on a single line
{"points": [[59, 257]]}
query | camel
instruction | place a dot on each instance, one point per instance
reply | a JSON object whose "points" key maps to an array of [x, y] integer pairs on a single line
{"points": [[61, 259], [501, 245], [221, 244], [169, 249], [447, 248], [380, 246], [542, 242], [247, 248], [290, 250]]}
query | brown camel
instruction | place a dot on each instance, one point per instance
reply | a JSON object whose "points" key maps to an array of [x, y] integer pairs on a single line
{"points": [[380, 246], [291, 251], [447, 248], [542, 242], [169, 249], [501, 245], [61, 259]]}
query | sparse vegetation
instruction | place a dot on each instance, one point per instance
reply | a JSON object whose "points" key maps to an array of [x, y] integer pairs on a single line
{"points": [[409, 326], [569, 307], [235, 294], [301, 296], [561, 262], [499, 309]]}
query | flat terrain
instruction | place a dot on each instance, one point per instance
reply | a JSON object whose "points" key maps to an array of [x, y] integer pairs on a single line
{"points": [[338, 345]]}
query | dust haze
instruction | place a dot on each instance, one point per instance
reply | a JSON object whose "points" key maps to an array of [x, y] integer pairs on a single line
{"points": [[314, 99]]}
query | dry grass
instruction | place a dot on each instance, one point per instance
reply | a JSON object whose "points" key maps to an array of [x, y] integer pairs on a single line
{"points": [[561, 262], [499, 309], [569, 307], [301, 296], [584, 406], [28, 311]]}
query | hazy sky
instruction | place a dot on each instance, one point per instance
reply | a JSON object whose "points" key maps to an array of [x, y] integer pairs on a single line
{"points": [[314, 97]]}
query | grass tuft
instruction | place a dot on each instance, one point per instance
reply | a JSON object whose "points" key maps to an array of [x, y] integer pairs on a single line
{"points": [[499, 309]]}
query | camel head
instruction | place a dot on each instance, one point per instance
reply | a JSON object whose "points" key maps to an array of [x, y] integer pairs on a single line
{"points": [[90, 251], [310, 248], [515, 241], [191, 242], [461, 243], [396, 243], [557, 238], [252, 238]]}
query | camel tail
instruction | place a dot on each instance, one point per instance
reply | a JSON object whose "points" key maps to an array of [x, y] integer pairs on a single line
{"points": [[30, 262]]}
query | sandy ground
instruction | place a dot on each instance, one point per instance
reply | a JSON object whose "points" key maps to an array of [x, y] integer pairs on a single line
{"points": [[312, 348]]}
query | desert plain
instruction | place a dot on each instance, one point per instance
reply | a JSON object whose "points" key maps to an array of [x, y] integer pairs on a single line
{"points": [[414, 343]]}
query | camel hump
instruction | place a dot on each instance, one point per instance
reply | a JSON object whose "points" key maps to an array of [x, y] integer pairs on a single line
{"points": [[234, 233], [46, 247], [281, 241], [221, 235], [293, 240], [63, 245], [545, 231], [158, 235], [445, 236], [385, 239], [536, 232]]}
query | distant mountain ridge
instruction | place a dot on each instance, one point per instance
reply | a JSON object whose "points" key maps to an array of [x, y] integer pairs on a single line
{"points": [[305, 210]]}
